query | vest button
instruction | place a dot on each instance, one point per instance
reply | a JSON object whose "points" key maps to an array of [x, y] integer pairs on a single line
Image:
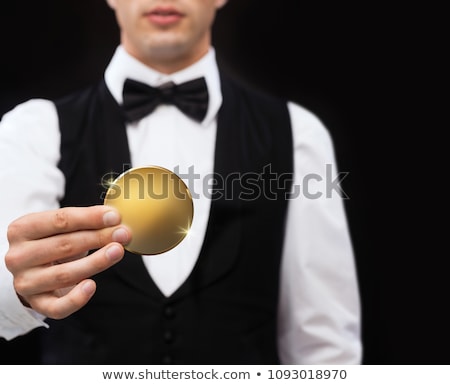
{"points": [[168, 337], [169, 312], [167, 359]]}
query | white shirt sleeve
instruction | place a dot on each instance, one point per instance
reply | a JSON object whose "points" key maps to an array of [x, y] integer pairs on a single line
{"points": [[319, 309], [31, 182]]}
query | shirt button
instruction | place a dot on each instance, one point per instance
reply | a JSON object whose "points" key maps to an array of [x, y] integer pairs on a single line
{"points": [[169, 312], [168, 337]]}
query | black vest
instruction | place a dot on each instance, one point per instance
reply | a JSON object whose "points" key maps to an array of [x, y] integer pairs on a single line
{"points": [[226, 311]]}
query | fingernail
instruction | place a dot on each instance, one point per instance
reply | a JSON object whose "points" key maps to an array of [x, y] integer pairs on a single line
{"points": [[120, 235], [114, 253], [88, 287], [111, 218]]}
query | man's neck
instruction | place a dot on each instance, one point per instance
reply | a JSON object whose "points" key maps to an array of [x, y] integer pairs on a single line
{"points": [[168, 62]]}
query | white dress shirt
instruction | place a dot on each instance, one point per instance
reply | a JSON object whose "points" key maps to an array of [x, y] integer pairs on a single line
{"points": [[319, 309]]}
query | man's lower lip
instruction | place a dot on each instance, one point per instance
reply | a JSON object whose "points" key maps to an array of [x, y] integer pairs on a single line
{"points": [[164, 19]]}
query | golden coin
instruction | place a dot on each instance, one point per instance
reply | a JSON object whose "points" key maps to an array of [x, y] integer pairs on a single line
{"points": [[155, 204]]}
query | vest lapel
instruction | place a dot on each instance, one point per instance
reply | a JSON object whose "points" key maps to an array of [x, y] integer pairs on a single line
{"points": [[221, 245], [117, 157]]}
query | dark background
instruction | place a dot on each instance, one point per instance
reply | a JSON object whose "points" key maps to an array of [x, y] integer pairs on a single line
{"points": [[371, 72]]}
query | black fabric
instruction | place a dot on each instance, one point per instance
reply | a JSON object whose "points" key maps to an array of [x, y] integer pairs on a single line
{"points": [[140, 99], [225, 312]]}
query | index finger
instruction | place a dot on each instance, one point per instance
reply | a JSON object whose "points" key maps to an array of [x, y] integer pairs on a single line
{"points": [[60, 221]]}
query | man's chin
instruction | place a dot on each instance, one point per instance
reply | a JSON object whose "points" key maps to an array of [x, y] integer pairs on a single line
{"points": [[169, 50]]}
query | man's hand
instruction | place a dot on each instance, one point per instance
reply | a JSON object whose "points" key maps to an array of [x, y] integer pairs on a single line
{"points": [[48, 256]]}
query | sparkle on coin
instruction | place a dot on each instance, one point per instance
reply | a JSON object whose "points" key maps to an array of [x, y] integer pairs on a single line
{"points": [[155, 204]]}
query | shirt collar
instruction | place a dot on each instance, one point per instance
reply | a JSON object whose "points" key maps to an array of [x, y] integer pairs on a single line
{"points": [[123, 66]]}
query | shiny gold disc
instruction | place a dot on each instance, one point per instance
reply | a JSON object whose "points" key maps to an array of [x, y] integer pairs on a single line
{"points": [[155, 204]]}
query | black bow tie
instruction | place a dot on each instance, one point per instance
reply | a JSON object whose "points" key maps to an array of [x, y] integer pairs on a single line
{"points": [[140, 99]]}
